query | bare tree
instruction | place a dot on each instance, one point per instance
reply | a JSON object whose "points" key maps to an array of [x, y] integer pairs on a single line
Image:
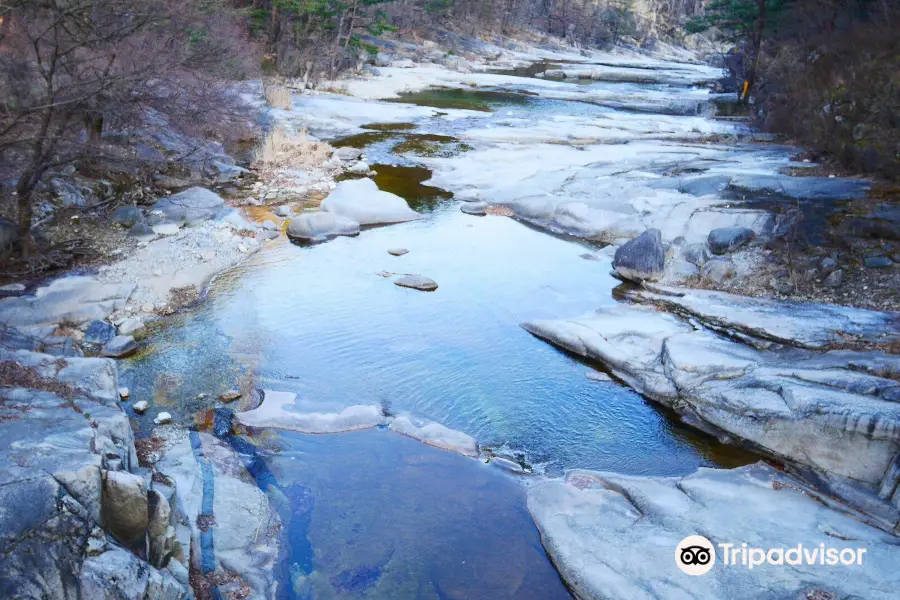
{"points": [[69, 68]]}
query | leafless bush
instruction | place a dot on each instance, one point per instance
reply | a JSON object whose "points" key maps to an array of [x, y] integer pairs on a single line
{"points": [[278, 96], [279, 149]]}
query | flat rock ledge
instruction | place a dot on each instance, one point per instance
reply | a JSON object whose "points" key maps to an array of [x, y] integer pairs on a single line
{"points": [[832, 416], [614, 536]]}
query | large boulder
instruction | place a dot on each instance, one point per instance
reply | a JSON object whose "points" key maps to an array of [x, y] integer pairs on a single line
{"points": [[320, 226], [615, 536], [360, 200], [729, 239], [191, 206], [125, 509], [641, 259], [127, 216]]}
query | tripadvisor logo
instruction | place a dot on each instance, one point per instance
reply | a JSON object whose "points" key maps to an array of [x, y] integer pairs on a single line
{"points": [[695, 555]]}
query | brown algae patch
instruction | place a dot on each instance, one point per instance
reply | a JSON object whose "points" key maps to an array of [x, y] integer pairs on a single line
{"points": [[431, 145], [389, 126]]}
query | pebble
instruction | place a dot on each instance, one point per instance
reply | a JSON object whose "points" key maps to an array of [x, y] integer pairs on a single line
{"points": [[597, 376], [140, 407], [124, 392], [230, 396], [397, 251], [163, 418], [878, 262]]}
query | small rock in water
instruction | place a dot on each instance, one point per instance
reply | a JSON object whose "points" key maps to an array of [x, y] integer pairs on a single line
{"points": [[878, 262], [163, 418], [124, 392], [597, 376], [507, 465], [729, 239], [12, 288], [835, 279], [230, 396], [397, 251], [120, 346], [384, 274], [417, 282], [140, 407], [479, 209]]}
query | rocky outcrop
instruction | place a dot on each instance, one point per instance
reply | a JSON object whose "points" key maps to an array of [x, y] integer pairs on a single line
{"points": [[615, 536], [833, 415], [74, 521], [360, 200], [73, 300]]}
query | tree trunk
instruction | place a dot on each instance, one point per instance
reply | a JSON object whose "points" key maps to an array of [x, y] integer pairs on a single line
{"points": [[24, 191], [757, 46]]}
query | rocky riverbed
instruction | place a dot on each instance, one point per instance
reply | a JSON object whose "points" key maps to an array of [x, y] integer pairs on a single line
{"points": [[199, 465]]}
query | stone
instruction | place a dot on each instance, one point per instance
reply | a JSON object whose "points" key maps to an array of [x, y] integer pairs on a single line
{"points": [[718, 270], [360, 168], [403, 63], [131, 326], [360, 200], [696, 254], [124, 393], [479, 209], [270, 226], [120, 347], [283, 211], [641, 259], [435, 434], [67, 194], [99, 333], [834, 279], [729, 239], [191, 206], [417, 282], [12, 288], [230, 396], [398, 251], [140, 407], [383, 60], [615, 536], [127, 216], [828, 264], [783, 286], [125, 512], [280, 410], [878, 262], [468, 195], [320, 227], [347, 153], [9, 234], [163, 418], [117, 574]]}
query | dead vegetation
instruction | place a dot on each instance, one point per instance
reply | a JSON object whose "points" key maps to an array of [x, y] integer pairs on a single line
{"points": [[281, 149], [277, 96]]}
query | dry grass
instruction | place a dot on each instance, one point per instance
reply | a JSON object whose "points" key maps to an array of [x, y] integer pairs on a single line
{"points": [[280, 149], [278, 96]]}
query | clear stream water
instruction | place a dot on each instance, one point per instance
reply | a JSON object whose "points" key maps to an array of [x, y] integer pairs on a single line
{"points": [[372, 514]]}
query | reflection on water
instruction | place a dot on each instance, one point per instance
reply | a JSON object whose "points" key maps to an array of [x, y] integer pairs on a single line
{"points": [[378, 516], [318, 321]]}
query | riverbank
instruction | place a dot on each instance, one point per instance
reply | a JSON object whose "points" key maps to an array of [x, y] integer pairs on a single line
{"points": [[347, 350]]}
